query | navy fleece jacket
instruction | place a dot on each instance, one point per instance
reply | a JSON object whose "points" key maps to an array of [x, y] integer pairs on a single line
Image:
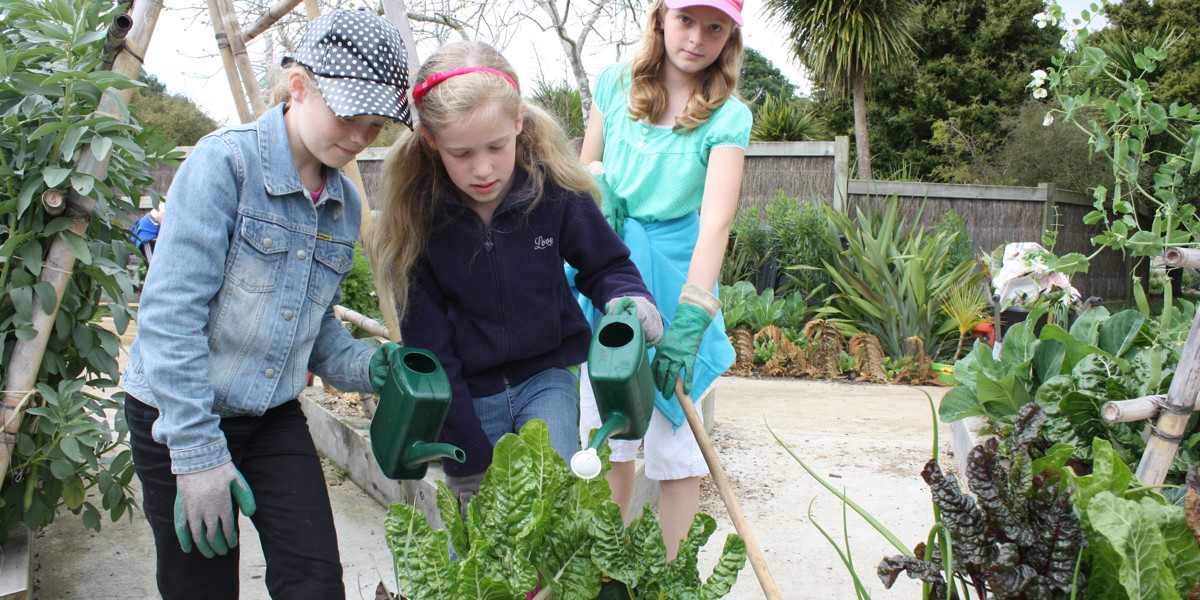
{"points": [[493, 304]]}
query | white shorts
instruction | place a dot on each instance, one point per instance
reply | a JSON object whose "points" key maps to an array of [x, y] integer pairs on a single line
{"points": [[670, 453]]}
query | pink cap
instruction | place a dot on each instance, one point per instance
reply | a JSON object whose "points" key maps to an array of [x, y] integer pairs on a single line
{"points": [[733, 8]]}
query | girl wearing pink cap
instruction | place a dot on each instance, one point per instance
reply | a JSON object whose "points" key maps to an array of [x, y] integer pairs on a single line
{"points": [[672, 138]]}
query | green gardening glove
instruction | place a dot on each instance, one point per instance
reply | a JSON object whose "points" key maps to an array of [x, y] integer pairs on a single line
{"points": [[676, 354], [613, 207], [386, 357], [204, 514]]}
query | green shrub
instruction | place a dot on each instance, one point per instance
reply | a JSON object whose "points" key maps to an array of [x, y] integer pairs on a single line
{"points": [[891, 280], [961, 249], [70, 453], [564, 102], [780, 120], [358, 290]]}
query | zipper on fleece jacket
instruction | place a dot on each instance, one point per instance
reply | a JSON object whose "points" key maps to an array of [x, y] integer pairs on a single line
{"points": [[489, 246]]}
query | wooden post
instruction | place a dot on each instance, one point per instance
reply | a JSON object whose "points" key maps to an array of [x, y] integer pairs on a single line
{"points": [[22, 371], [1181, 400], [231, 74]]}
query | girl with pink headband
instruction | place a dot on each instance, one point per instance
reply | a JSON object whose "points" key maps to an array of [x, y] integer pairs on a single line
{"points": [[482, 205]]}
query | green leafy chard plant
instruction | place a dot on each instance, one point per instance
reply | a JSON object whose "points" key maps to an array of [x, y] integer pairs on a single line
{"points": [[1072, 373], [51, 84], [534, 523]]}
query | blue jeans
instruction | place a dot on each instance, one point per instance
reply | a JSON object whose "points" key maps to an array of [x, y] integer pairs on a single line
{"points": [[552, 396]]}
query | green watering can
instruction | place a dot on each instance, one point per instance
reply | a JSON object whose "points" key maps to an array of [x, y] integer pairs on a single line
{"points": [[412, 408], [619, 369]]}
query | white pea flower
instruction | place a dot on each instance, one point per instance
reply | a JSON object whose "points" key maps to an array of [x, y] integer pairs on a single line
{"points": [[1048, 121], [1039, 77], [1042, 19], [1040, 93]]}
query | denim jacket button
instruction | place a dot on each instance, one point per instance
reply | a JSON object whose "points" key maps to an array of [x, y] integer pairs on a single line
{"points": [[268, 242], [287, 315], [270, 373], [300, 254]]}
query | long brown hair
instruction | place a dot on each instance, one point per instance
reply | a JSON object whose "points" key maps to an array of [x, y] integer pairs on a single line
{"points": [[648, 95], [415, 179]]}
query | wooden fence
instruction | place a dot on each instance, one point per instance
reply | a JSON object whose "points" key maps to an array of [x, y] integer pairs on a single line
{"points": [[818, 172]]}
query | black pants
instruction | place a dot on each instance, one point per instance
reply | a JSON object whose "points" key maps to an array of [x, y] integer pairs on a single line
{"points": [[275, 454]]}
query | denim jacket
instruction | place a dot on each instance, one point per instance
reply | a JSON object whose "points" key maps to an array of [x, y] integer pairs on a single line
{"points": [[238, 304]]}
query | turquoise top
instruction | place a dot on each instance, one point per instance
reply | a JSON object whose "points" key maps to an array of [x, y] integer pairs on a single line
{"points": [[660, 173]]}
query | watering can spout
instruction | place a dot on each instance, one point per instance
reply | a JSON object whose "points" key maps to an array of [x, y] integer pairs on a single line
{"points": [[421, 453], [412, 407]]}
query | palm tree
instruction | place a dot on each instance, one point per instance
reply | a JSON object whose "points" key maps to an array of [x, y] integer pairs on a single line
{"points": [[843, 42]]}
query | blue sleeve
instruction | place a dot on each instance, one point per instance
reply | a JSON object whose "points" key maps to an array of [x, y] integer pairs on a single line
{"points": [[174, 312], [609, 92]]}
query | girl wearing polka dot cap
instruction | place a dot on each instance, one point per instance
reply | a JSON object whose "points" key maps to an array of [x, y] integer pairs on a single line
{"points": [[237, 309], [672, 139]]}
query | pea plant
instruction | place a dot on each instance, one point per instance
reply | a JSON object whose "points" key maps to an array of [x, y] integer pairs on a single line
{"points": [[70, 452], [1151, 147]]}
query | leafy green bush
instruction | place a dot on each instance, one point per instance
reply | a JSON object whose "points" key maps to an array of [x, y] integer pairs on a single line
{"points": [[533, 521], [779, 120], [961, 250], [358, 290], [1071, 374], [564, 102], [50, 90], [788, 233], [892, 279]]}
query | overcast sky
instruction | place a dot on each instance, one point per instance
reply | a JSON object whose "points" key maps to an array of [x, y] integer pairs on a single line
{"points": [[183, 55]]}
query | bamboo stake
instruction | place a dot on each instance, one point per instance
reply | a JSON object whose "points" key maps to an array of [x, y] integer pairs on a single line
{"points": [[1182, 257], [231, 74], [770, 590], [1172, 422], [241, 58], [361, 321], [22, 371], [1128, 411], [269, 18]]}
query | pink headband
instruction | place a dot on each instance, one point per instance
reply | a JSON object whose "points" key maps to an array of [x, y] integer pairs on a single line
{"points": [[419, 91]]}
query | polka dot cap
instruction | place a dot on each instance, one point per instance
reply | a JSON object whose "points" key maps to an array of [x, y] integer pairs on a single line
{"points": [[360, 63]]}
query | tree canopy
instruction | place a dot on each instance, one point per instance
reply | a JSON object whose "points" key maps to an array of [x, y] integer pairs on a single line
{"points": [[176, 116], [971, 69]]}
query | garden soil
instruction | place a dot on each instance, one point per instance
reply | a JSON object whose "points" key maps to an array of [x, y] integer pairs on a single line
{"points": [[866, 439]]}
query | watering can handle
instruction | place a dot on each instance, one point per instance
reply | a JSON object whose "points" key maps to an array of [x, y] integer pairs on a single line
{"points": [[770, 590]]}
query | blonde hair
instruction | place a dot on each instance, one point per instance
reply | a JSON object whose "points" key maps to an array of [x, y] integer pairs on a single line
{"points": [[415, 178], [648, 95]]}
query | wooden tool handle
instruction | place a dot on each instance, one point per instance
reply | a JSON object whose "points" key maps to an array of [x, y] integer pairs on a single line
{"points": [[731, 504]]}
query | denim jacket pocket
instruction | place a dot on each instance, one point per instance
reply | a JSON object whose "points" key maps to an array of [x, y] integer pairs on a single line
{"points": [[331, 261], [257, 255]]}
